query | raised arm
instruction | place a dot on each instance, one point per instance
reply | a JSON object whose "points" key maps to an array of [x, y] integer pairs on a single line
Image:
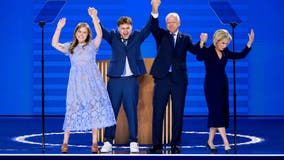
{"points": [[245, 51], [155, 6], [55, 39], [251, 38], [203, 39], [155, 27], [146, 30], [94, 15]]}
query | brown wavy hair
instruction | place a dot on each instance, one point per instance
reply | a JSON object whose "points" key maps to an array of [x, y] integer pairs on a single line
{"points": [[75, 41]]}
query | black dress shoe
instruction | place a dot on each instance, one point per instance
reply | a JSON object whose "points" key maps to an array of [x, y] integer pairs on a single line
{"points": [[174, 149], [227, 151], [212, 150], [156, 148]]}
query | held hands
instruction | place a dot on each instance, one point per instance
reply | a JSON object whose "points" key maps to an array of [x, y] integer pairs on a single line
{"points": [[155, 5], [61, 23], [93, 12], [251, 38], [203, 39]]}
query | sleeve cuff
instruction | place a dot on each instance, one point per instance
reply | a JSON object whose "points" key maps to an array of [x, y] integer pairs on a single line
{"points": [[155, 15]]}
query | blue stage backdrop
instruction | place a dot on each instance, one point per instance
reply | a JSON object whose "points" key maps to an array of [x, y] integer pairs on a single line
{"points": [[259, 78]]}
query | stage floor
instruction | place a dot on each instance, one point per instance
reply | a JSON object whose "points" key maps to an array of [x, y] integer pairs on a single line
{"points": [[255, 135]]}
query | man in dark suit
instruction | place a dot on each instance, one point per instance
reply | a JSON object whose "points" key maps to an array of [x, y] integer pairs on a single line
{"points": [[125, 66], [169, 71]]}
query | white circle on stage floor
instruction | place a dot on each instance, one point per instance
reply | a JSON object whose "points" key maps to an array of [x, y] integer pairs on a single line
{"points": [[24, 139]]}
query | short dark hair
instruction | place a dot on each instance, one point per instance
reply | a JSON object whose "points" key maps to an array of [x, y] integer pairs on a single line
{"points": [[124, 20]]}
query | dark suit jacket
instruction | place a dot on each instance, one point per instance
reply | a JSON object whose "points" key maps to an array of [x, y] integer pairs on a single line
{"points": [[168, 55], [132, 51]]}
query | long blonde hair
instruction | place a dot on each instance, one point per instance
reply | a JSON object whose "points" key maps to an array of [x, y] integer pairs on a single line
{"points": [[75, 41]]}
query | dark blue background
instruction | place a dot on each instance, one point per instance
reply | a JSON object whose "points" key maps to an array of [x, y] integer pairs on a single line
{"points": [[259, 75]]}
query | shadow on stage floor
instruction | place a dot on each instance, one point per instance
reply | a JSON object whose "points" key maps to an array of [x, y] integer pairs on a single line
{"points": [[256, 136]]}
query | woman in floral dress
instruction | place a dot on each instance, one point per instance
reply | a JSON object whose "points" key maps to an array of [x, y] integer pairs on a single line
{"points": [[88, 106]]}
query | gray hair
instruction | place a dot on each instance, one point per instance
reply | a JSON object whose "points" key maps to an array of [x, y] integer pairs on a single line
{"points": [[173, 14]]}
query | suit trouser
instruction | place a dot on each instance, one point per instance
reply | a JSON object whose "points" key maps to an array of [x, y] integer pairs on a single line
{"points": [[162, 89], [123, 89]]}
